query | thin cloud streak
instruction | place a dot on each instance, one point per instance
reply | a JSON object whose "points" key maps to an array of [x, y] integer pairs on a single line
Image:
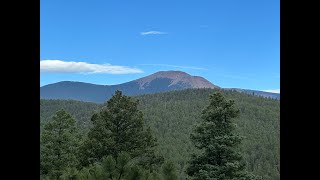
{"points": [[273, 91], [60, 66], [152, 33], [176, 66]]}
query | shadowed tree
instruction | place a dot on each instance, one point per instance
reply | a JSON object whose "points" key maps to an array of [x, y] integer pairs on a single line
{"points": [[59, 143], [119, 127], [221, 159]]}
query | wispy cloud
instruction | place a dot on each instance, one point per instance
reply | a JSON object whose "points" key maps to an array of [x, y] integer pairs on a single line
{"points": [[273, 91], [175, 66], [60, 66], [152, 33]]}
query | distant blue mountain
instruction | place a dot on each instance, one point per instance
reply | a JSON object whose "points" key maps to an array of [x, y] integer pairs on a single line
{"points": [[161, 81], [257, 93]]}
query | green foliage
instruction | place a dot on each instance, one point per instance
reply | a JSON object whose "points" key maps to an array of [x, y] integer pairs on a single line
{"points": [[93, 171], [215, 135], [70, 174], [110, 168], [169, 171], [119, 127], [59, 142], [172, 116], [116, 169], [81, 111], [86, 173], [136, 173]]}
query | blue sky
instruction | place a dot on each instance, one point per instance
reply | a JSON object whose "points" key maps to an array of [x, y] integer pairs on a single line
{"points": [[231, 43]]}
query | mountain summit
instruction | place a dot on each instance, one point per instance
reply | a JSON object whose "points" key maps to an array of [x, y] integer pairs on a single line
{"points": [[176, 78], [161, 81]]}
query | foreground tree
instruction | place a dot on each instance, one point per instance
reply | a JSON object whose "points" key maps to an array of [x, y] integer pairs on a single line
{"points": [[118, 128], [59, 142], [220, 159]]}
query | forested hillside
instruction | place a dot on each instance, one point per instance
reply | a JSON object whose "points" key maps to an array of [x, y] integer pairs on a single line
{"points": [[81, 111], [172, 115]]}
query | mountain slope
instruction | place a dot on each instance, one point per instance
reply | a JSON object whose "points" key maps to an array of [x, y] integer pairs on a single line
{"points": [[176, 78], [161, 81]]}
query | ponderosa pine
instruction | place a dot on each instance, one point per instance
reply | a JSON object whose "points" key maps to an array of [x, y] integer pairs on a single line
{"points": [[118, 128], [59, 142], [221, 159]]}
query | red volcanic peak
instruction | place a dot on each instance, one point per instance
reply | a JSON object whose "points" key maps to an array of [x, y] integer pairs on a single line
{"points": [[177, 77]]}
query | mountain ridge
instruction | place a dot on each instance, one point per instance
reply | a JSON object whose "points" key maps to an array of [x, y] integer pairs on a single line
{"points": [[161, 81]]}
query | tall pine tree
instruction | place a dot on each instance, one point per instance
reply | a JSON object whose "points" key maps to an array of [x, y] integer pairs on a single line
{"points": [[119, 127], [220, 158], [59, 143]]}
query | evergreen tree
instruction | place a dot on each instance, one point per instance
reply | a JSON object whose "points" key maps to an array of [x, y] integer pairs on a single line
{"points": [[220, 159], [136, 173], [116, 169], [70, 174], [172, 115], [169, 171], [119, 127], [59, 142], [93, 171]]}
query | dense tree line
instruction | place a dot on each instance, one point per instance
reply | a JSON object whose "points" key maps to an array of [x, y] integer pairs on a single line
{"points": [[172, 116], [81, 111], [117, 146]]}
